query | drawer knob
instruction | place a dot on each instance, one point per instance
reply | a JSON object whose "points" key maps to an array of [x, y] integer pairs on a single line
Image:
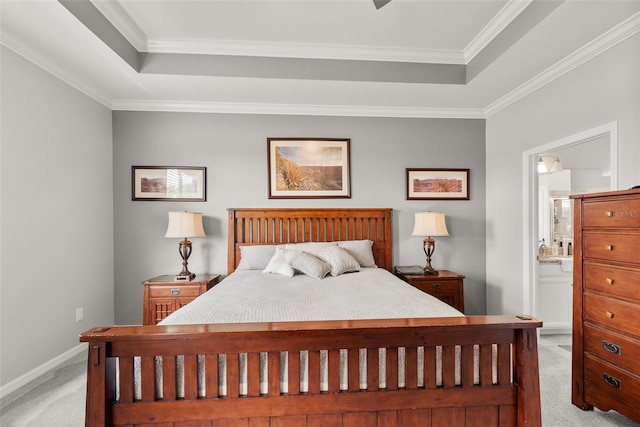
{"points": [[613, 382], [608, 214], [610, 315], [436, 285], [610, 280], [608, 247], [611, 347], [175, 291]]}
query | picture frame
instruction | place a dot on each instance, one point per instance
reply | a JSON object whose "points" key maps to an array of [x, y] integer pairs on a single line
{"points": [[437, 184], [309, 168], [169, 183]]}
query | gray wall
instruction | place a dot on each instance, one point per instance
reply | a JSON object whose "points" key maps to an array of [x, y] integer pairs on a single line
{"points": [[600, 91], [56, 216], [234, 150]]}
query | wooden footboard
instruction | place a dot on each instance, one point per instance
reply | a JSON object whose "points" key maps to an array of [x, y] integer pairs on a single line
{"points": [[474, 370]]}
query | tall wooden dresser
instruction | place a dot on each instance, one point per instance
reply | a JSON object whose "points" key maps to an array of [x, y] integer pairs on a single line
{"points": [[606, 302]]}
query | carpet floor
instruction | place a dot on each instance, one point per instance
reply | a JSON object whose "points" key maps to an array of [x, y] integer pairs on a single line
{"points": [[58, 399]]}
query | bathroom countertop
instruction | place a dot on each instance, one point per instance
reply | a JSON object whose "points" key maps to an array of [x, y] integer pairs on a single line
{"points": [[565, 262]]}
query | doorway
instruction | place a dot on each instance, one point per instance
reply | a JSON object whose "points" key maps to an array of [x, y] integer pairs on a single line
{"points": [[574, 152]]}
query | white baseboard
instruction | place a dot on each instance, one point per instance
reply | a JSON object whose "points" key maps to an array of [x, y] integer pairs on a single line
{"points": [[42, 370]]}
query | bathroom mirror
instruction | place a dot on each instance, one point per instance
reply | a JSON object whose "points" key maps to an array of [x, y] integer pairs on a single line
{"points": [[561, 219]]}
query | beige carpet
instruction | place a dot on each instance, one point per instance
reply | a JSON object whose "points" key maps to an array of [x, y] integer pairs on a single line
{"points": [[59, 400]]}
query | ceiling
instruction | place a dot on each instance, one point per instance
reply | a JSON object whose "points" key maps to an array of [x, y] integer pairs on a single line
{"points": [[410, 58]]}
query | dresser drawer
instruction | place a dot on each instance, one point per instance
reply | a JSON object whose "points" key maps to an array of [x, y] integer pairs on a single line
{"points": [[617, 349], [612, 313], [609, 387], [621, 247], [612, 213], [615, 281], [174, 292]]}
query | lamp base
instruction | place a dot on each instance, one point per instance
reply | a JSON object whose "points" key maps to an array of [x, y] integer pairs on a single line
{"points": [[187, 277], [430, 270]]}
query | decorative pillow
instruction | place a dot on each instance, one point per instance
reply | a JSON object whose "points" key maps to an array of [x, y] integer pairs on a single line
{"points": [[339, 259], [255, 257], [278, 264], [310, 265], [360, 250], [310, 247]]}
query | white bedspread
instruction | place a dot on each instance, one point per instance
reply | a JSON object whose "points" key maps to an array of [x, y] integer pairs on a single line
{"points": [[253, 296]]}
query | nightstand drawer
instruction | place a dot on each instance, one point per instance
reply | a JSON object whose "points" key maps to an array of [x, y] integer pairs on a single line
{"points": [[447, 286], [174, 291], [436, 285]]}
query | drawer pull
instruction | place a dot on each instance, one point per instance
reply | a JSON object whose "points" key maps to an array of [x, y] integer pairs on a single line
{"points": [[175, 291], [436, 285], [613, 382], [610, 315], [611, 347], [608, 214], [610, 280], [608, 247]]}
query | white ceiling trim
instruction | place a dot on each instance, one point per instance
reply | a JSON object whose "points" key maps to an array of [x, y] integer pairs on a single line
{"points": [[14, 44], [300, 50], [606, 41], [298, 109], [115, 13], [507, 14]]}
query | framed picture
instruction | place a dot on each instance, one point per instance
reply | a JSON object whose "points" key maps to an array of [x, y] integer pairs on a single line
{"points": [[308, 168], [437, 184], [169, 183]]}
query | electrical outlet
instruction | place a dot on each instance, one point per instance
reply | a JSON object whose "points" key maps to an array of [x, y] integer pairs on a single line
{"points": [[79, 314]]}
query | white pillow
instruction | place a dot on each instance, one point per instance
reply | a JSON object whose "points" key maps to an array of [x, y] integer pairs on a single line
{"points": [[339, 259], [278, 264], [310, 247], [255, 257], [360, 250], [310, 265]]}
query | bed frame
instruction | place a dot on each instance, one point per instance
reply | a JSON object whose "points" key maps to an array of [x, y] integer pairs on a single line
{"points": [[505, 392]]}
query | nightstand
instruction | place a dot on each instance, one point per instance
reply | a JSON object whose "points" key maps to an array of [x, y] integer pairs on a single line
{"points": [[447, 286], [164, 294]]}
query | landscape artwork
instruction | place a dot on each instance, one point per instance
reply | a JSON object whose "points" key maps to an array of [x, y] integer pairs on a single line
{"points": [[437, 184], [168, 183], [308, 168]]}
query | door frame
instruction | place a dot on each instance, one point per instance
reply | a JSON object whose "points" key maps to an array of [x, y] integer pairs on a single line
{"points": [[530, 201]]}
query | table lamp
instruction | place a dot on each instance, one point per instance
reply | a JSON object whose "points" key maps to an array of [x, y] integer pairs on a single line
{"points": [[184, 225], [429, 224]]}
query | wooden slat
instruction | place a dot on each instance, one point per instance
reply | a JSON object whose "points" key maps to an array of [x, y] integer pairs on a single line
{"points": [[253, 374], [273, 363], [211, 375], [232, 366], [290, 421], [353, 367], [430, 367], [148, 375], [414, 417], [190, 376], [411, 368], [448, 366], [373, 369], [391, 377], [448, 417], [359, 419], [387, 419], [314, 372], [324, 420], [126, 379], [169, 378], [293, 381], [486, 365], [333, 371], [504, 364], [467, 365], [482, 416]]}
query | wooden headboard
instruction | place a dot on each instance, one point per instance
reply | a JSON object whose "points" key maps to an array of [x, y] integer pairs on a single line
{"points": [[269, 226]]}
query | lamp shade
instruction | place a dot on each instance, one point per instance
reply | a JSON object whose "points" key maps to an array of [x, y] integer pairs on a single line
{"points": [[185, 224], [429, 224]]}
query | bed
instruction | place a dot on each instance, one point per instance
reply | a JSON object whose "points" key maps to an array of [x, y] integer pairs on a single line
{"points": [[398, 371]]}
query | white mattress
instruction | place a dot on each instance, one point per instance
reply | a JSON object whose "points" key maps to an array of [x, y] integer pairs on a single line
{"points": [[253, 296]]}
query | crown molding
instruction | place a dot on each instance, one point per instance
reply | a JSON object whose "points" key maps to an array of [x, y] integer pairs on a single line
{"points": [[120, 19], [14, 44], [507, 14], [305, 50], [298, 109], [606, 41]]}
